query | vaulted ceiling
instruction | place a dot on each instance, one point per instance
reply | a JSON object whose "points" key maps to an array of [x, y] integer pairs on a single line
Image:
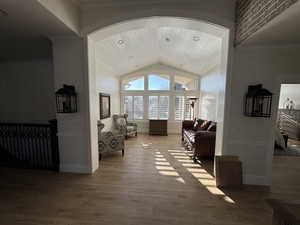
{"points": [[181, 45]]}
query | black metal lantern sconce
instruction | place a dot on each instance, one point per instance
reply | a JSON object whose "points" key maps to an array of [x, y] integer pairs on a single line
{"points": [[258, 101], [66, 99]]}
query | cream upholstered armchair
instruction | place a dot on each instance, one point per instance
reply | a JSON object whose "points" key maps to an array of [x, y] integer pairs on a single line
{"points": [[123, 126], [109, 141]]}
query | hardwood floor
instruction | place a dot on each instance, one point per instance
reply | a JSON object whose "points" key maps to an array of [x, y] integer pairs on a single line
{"points": [[155, 183], [294, 143]]}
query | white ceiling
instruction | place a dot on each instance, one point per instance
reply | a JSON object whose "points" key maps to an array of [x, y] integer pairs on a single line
{"points": [[283, 29], [29, 19], [130, 2], [193, 50]]}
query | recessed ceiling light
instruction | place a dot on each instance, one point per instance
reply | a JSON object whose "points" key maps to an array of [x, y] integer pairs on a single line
{"points": [[121, 42], [168, 39], [196, 38], [3, 13]]}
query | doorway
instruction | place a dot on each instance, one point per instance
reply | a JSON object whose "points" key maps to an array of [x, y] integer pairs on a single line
{"points": [[287, 140], [179, 45]]}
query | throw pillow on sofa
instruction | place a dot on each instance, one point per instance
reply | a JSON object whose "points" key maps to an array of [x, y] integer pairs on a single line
{"points": [[212, 127], [197, 124], [204, 125]]}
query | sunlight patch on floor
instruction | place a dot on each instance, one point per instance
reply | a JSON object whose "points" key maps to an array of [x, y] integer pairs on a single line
{"points": [[186, 160], [207, 182], [181, 157], [162, 163], [160, 159], [179, 151], [169, 173], [204, 178], [189, 165], [165, 168], [202, 175], [146, 145], [180, 180], [197, 170]]}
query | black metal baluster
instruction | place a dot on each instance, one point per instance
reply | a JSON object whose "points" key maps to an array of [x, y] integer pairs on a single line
{"points": [[19, 146], [39, 147], [29, 145]]}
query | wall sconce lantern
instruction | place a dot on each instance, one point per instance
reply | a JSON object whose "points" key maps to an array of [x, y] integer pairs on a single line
{"points": [[258, 101], [66, 99]]}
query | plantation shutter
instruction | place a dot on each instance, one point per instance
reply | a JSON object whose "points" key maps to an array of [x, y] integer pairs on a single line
{"points": [[138, 107], [158, 107], [153, 107], [128, 106], [163, 107], [179, 107]]}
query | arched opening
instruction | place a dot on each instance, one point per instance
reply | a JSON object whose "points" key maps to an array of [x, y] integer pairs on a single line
{"points": [[141, 51]]}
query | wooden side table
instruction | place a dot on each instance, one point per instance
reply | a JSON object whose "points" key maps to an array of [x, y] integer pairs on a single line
{"points": [[158, 127]]}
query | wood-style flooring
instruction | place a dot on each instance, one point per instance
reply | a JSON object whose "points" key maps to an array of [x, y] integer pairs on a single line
{"points": [[155, 183], [294, 143]]}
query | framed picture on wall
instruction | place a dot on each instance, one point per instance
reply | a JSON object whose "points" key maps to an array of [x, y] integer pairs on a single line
{"points": [[104, 105]]}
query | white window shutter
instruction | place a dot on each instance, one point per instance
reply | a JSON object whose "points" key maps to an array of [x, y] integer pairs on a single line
{"points": [[138, 107], [163, 107], [153, 107], [179, 107]]}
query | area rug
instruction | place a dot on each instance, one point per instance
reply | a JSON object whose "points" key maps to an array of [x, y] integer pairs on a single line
{"points": [[290, 151]]}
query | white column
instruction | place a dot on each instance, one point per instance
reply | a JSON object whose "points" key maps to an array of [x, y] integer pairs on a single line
{"points": [[70, 68]]}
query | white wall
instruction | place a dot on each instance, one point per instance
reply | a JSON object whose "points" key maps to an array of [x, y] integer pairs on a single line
{"points": [[27, 81], [291, 91], [209, 89], [162, 69], [66, 11], [27, 91], [69, 58], [253, 138], [107, 83]]}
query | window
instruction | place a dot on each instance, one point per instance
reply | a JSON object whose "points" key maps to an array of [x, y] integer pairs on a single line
{"points": [[184, 83], [183, 108], [133, 83], [179, 107], [158, 107], [134, 107], [148, 96], [188, 111], [158, 82]]}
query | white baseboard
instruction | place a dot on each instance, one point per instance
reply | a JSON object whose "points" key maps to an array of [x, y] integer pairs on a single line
{"points": [[255, 180], [75, 168]]}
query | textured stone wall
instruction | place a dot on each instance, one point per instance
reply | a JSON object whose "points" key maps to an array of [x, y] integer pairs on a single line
{"points": [[251, 15]]}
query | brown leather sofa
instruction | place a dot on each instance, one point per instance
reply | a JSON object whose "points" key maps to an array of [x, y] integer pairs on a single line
{"points": [[199, 138]]}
